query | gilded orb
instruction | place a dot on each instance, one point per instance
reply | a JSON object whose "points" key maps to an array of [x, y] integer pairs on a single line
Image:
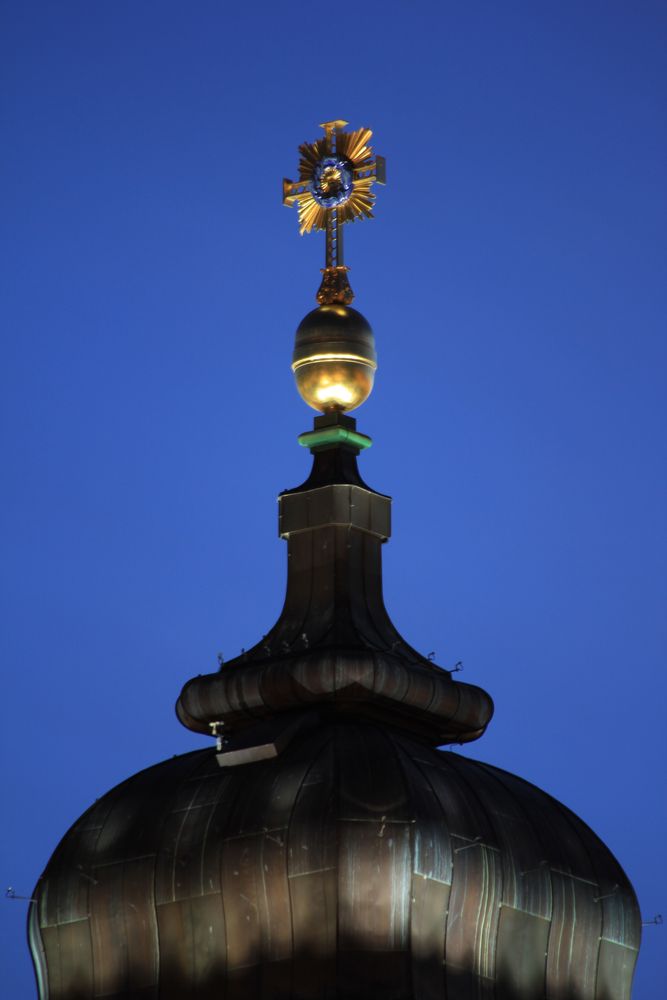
{"points": [[334, 358]]}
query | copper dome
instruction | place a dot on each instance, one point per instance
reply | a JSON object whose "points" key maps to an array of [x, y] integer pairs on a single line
{"points": [[358, 863], [327, 848]]}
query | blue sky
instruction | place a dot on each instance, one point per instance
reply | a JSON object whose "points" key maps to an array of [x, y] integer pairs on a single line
{"points": [[151, 285]]}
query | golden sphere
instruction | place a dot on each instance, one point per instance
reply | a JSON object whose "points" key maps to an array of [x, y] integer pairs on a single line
{"points": [[334, 358]]}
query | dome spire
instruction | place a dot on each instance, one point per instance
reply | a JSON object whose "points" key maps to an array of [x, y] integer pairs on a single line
{"points": [[334, 650], [325, 847]]}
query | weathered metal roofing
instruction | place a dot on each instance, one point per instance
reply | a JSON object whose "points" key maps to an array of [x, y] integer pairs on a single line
{"points": [[334, 643], [358, 863], [328, 850]]}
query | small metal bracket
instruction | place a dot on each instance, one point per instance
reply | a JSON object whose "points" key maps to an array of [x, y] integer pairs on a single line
{"points": [[607, 895], [538, 868], [217, 732]]}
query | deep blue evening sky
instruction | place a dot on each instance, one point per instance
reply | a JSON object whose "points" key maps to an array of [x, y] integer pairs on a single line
{"points": [[152, 282]]}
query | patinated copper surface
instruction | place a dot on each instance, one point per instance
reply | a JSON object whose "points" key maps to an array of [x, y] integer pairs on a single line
{"points": [[358, 863]]}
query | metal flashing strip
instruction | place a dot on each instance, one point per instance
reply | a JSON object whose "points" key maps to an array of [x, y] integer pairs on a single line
{"points": [[340, 505], [334, 435]]}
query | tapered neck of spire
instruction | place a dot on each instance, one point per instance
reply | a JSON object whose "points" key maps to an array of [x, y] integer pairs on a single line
{"points": [[334, 525], [334, 648]]}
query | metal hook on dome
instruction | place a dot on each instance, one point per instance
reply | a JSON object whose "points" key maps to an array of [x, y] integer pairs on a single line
{"points": [[538, 868], [477, 842], [608, 895], [84, 874]]}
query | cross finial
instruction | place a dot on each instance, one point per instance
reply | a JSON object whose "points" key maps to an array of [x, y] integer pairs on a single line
{"points": [[336, 174]]}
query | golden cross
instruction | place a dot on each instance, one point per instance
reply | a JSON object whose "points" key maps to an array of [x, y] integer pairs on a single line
{"points": [[336, 174]]}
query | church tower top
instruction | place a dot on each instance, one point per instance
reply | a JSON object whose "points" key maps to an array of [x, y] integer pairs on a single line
{"points": [[334, 638], [325, 846]]}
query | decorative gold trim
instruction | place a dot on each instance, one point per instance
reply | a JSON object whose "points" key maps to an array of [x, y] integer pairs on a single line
{"points": [[335, 287], [315, 358], [336, 174], [352, 146]]}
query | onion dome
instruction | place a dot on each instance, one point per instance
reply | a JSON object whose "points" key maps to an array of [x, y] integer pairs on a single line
{"points": [[327, 847], [357, 863]]}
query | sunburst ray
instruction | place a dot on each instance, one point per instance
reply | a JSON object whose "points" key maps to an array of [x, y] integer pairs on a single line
{"points": [[339, 180], [354, 146]]}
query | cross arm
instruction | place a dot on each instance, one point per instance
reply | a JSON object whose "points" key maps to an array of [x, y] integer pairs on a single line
{"points": [[374, 171], [292, 190]]}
